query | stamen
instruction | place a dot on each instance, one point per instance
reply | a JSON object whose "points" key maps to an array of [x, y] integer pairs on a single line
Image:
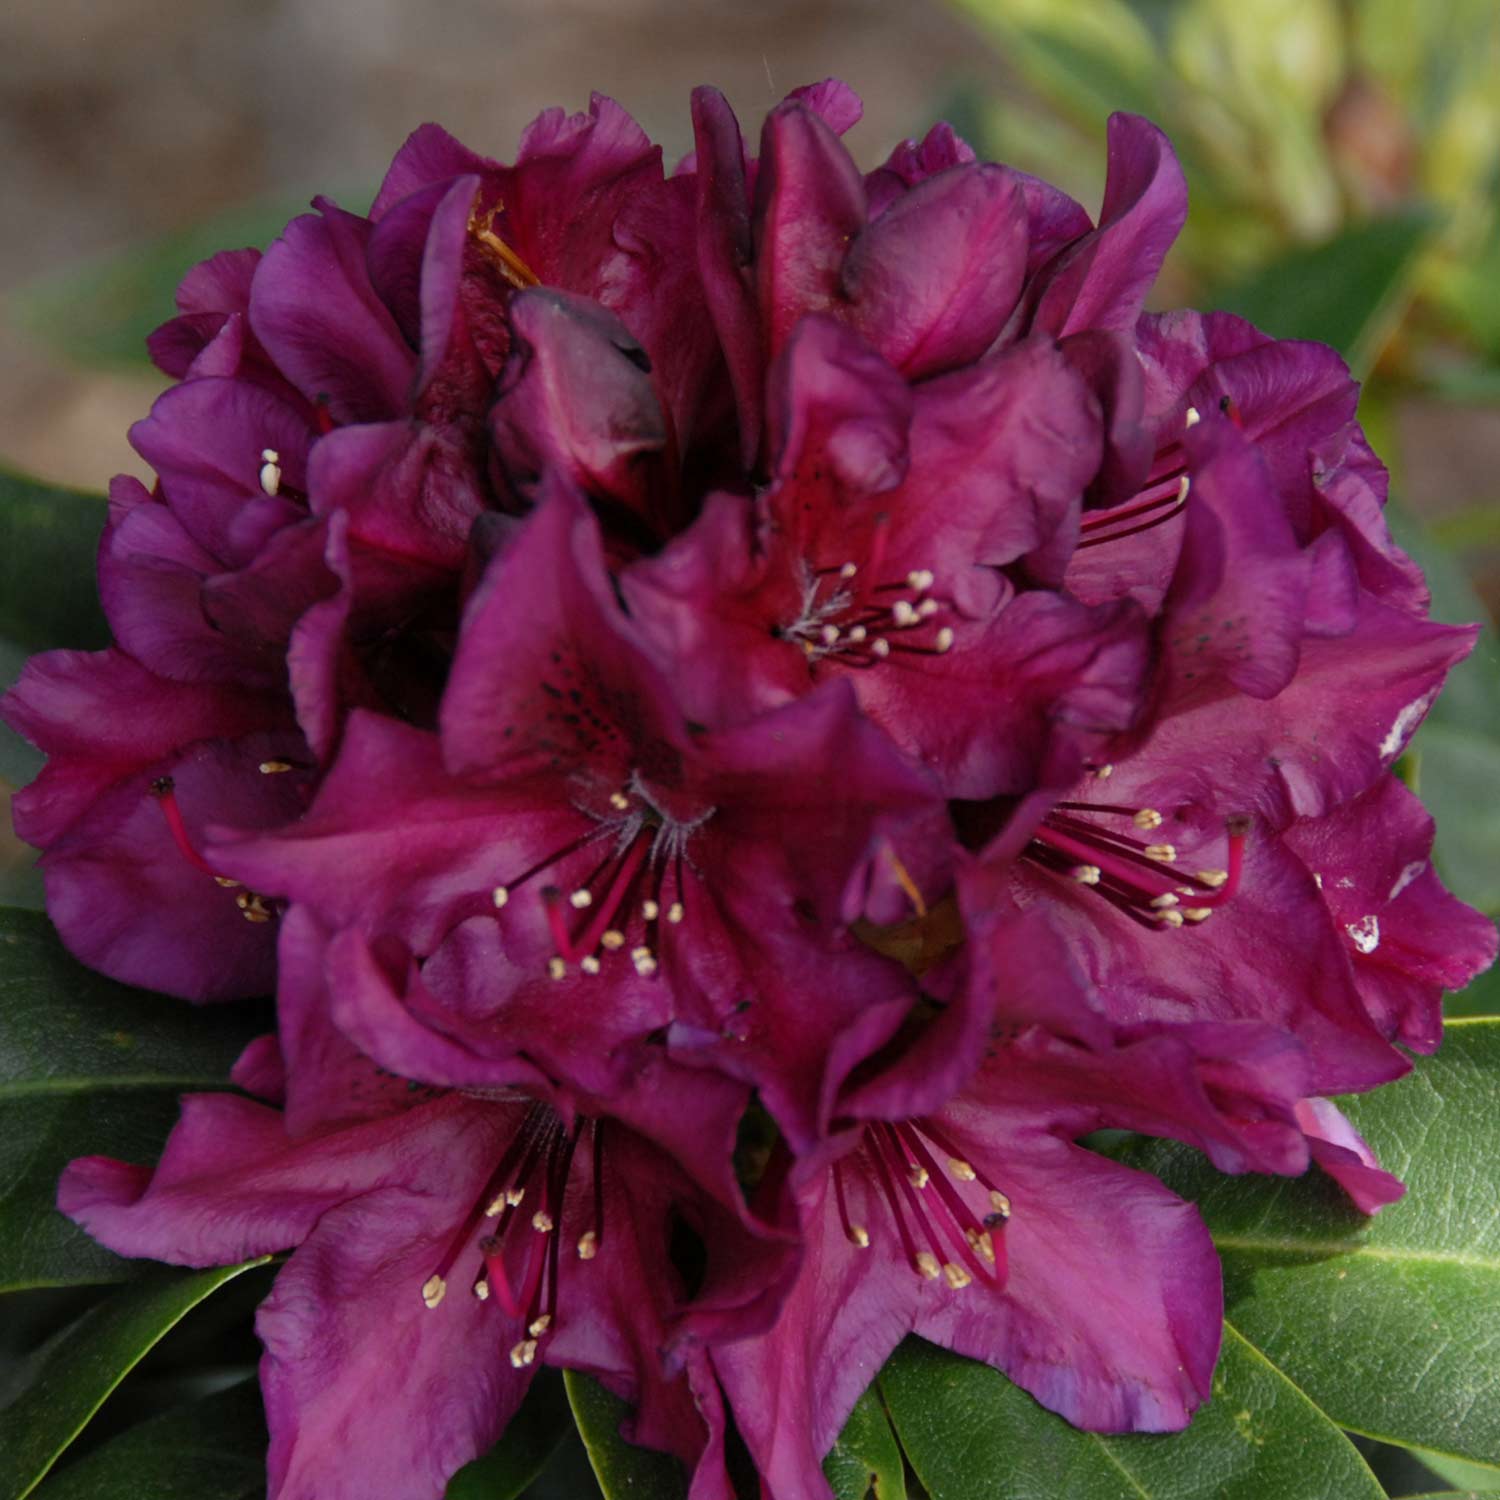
{"points": [[1147, 818], [434, 1289], [944, 642], [499, 896], [961, 1169], [556, 968], [927, 1263], [956, 1277], [274, 767], [505, 260], [619, 801], [1165, 854], [650, 910], [588, 1245], [589, 964], [880, 647], [270, 470], [581, 899], [523, 1353], [675, 912], [1086, 874], [1192, 419], [164, 790]]}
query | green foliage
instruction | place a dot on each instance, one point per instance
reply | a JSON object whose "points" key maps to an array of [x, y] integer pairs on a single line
{"points": [[621, 1468], [521, 1454], [73, 1374], [86, 1065], [969, 1433], [867, 1456], [48, 539]]}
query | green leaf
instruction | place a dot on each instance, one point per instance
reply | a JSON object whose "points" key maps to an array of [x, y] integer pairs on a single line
{"points": [[48, 540], [867, 1456], [621, 1468], [86, 1065], [530, 1439], [77, 1370], [1390, 1324], [213, 1449], [1484, 1478], [1460, 770], [969, 1433], [1348, 292]]}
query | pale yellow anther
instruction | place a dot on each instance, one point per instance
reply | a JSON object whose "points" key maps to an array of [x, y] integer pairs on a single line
{"points": [[859, 1236], [540, 1326], [613, 940], [1317, 880], [903, 613], [433, 1290], [619, 801], [944, 640], [1213, 879], [557, 968], [1183, 487], [499, 896], [1192, 419], [523, 1354], [1147, 819], [917, 1176], [919, 579], [270, 471], [927, 1264], [515, 1196], [581, 899], [588, 1245], [269, 456], [1086, 874], [848, 570], [226, 881], [1103, 773], [1163, 854], [650, 910], [829, 635], [999, 1202], [676, 912], [274, 767], [495, 1206], [589, 964], [256, 916], [981, 1244], [880, 647], [541, 1221], [961, 1169], [1197, 913], [1164, 901], [1169, 918], [927, 608], [858, 633], [956, 1277], [482, 1290]]}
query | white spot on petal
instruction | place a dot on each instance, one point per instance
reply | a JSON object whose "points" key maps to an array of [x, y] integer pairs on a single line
{"points": [[1365, 933], [1406, 877], [1406, 721]]}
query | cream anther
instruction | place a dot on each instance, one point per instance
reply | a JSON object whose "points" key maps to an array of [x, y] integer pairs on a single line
{"points": [[1171, 918], [1183, 487], [493, 1207], [540, 1325], [675, 912], [1164, 901], [1103, 773], [903, 613], [917, 1176], [433, 1290], [589, 964], [1147, 819], [880, 647], [1163, 854], [927, 1265], [588, 1245], [541, 1221], [859, 1236], [1086, 874], [944, 641], [1211, 878], [1192, 419], [270, 470], [1197, 913], [499, 896], [857, 634], [523, 1354], [227, 881], [1000, 1203], [956, 1277], [274, 767], [920, 579], [981, 1244], [581, 899], [829, 635], [650, 910], [557, 968], [848, 570], [481, 1289], [928, 607], [515, 1196], [961, 1169], [619, 801], [613, 939]]}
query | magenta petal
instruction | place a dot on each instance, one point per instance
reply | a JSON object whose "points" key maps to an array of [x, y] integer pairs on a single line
{"points": [[316, 312], [1341, 1151], [913, 162], [933, 280], [1102, 279]]}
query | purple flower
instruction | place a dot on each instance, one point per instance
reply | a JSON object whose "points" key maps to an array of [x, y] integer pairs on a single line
{"points": [[576, 866]]}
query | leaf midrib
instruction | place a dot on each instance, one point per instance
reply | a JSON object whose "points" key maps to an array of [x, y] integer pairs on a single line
{"points": [[1332, 1248], [66, 1087]]}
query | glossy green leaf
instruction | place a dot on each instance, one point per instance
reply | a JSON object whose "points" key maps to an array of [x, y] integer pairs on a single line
{"points": [[867, 1458], [530, 1439], [1461, 1473], [48, 539], [86, 1065], [77, 1370], [1347, 292], [972, 1435], [1390, 1324], [622, 1469], [213, 1449]]}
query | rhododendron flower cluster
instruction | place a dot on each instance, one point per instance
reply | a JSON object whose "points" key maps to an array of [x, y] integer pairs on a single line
{"points": [[741, 713]]}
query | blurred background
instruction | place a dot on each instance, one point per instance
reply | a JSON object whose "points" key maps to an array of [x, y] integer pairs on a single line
{"points": [[1343, 157]]}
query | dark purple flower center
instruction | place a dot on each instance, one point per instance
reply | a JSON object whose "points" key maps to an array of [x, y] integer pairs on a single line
{"points": [[625, 896], [850, 614], [1160, 499], [941, 1233], [521, 1253], [1142, 879]]}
